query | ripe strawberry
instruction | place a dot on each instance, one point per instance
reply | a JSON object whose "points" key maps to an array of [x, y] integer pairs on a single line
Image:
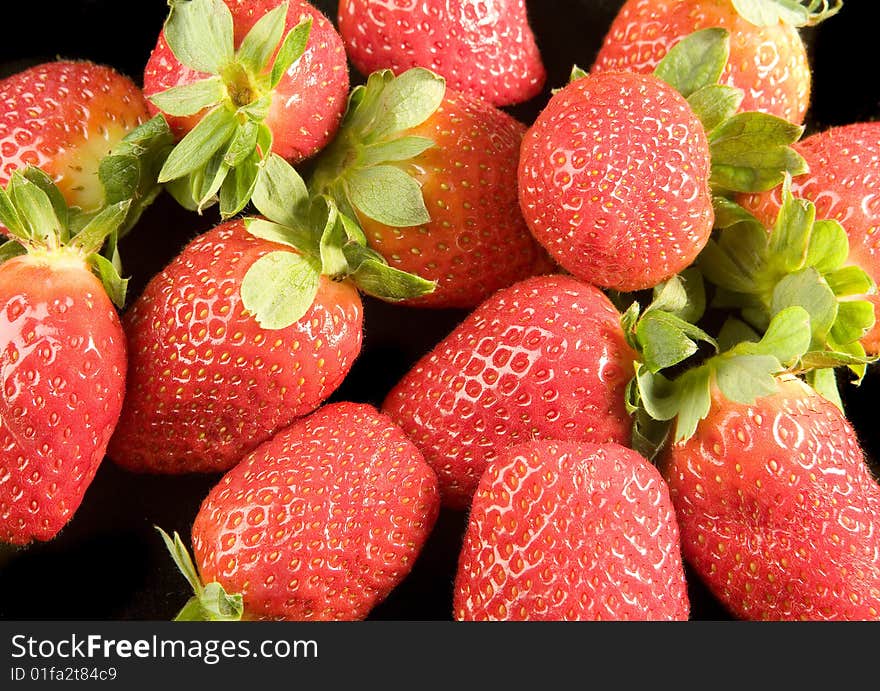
{"points": [[319, 523], [66, 117], [544, 358], [207, 383], [768, 60], [63, 357], [777, 508], [483, 48], [591, 162], [844, 172], [241, 79], [571, 531], [430, 176]]}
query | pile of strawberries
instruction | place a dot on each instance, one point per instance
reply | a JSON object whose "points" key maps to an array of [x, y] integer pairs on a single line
{"points": [[663, 283]]}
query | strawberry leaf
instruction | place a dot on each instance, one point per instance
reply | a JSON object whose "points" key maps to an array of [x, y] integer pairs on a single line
{"points": [[849, 281], [374, 277], [261, 41], [280, 287], [405, 101], [300, 238], [696, 61], [10, 249], [189, 99], [291, 50], [793, 12], [200, 34], [576, 73], [401, 149], [854, 320], [824, 382], [92, 237], [715, 103], [388, 195], [200, 144], [243, 144], [807, 289], [131, 170], [113, 283], [751, 152], [280, 192], [694, 400], [239, 185], [10, 217], [36, 210], [333, 239]]}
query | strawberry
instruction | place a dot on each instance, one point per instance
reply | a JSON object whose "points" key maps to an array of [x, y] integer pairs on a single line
{"points": [[239, 80], [544, 358], [571, 531], [768, 59], [591, 161], [430, 176], [63, 356], [70, 118], [844, 172], [319, 523], [486, 49], [777, 508], [251, 326], [207, 383]]}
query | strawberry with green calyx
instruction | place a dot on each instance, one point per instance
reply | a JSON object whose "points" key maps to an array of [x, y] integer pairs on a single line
{"points": [[429, 174], [87, 127], [63, 355], [595, 205], [800, 261], [571, 531], [319, 523], [768, 63], [242, 82], [844, 167], [253, 325], [280, 286]]}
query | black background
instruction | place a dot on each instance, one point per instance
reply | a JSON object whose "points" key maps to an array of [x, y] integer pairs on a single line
{"points": [[108, 563]]}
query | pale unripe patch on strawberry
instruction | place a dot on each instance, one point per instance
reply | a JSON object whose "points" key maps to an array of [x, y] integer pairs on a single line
{"points": [[65, 117]]}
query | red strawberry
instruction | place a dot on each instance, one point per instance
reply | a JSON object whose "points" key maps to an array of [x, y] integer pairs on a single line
{"points": [[319, 523], [844, 174], [777, 508], [571, 531], [545, 358], [431, 176], [768, 60], [222, 72], [63, 358], [593, 202], [617, 173], [208, 383], [485, 48], [65, 117]]}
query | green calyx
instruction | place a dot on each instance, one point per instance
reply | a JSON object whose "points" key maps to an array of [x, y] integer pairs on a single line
{"points": [[799, 262], [280, 287], [38, 220], [364, 170], [220, 159], [794, 12], [210, 602], [750, 151]]}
